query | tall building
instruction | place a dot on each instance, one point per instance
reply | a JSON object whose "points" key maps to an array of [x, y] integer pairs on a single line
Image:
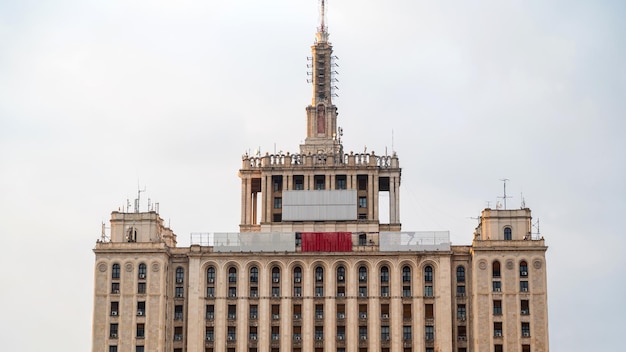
{"points": [[313, 269]]}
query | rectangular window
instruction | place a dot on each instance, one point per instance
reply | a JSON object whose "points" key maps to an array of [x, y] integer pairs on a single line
{"points": [[232, 292], [115, 308], [461, 312], [319, 333], [297, 291], [406, 311], [319, 291], [275, 311], [278, 202], [232, 334], [141, 308], [140, 331], [497, 307], [210, 292], [430, 332], [210, 311], [113, 330], [362, 202], [384, 333], [497, 348], [497, 286], [298, 182], [406, 333], [362, 333], [362, 182], [525, 329], [141, 288], [428, 291], [178, 333], [112, 348], [429, 312], [341, 181], [178, 312], [320, 182], [115, 287], [275, 292], [523, 286], [362, 291], [180, 292], [319, 311], [384, 291], [254, 292], [525, 307], [232, 311], [277, 183], [460, 291], [525, 348], [254, 312], [406, 291], [139, 349], [497, 329]]}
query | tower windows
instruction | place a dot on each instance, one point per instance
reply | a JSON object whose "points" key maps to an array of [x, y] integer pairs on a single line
{"points": [[142, 271], [460, 274], [232, 275], [362, 202], [523, 286], [340, 182], [525, 329], [495, 269], [254, 274], [115, 272], [341, 274], [497, 307], [298, 182], [428, 274], [113, 328], [508, 234], [180, 275], [278, 202], [210, 275], [275, 275], [406, 274], [362, 274], [319, 274], [523, 269]]}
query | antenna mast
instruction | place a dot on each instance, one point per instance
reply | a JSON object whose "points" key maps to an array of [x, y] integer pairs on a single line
{"points": [[504, 197], [322, 15]]}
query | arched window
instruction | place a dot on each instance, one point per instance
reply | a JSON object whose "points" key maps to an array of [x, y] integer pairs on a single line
{"points": [[428, 273], [180, 275], [232, 274], [254, 274], [341, 274], [115, 271], [496, 269], [142, 271], [384, 274], [275, 275], [362, 274], [319, 274], [460, 274], [508, 234], [297, 274], [210, 275], [406, 274], [523, 269]]}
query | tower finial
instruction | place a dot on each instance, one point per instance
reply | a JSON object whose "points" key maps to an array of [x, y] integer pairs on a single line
{"points": [[322, 31]]}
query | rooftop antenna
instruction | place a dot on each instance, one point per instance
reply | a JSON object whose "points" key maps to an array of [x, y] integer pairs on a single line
{"points": [[523, 204], [137, 201], [103, 236], [322, 15], [504, 197], [488, 204]]}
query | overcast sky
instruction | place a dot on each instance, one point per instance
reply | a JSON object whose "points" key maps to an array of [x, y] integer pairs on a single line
{"points": [[98, 96]]}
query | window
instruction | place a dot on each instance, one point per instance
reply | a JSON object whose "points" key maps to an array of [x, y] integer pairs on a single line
{"points": [[115, 308], [115, 272], [210, 275], [180, 292], [430, 332], [523, 286], [523, 269], [525, 307], [298, 182], [252, 334], [495, 269], [113, 330], [232, 334], [210, 311], [362, 239], [178, 312], [341, 274], [497, 286], [362, 291], [254, 274], [362, 311], [115, 287], [319, 274], [180, 275], [497, 307], [112, 348], [319, 333], [428, 273], [275, 311], [406, 291], [275, 275], [362, 333], [384, 274], [362, 202], [406, 311], [142, 271], [497, 329], [319, 291], [320, 181], [384, 333], [298, 239], [406, 274], [428, 291], [254, 312], [210, 292], [178, 333], [141, 308], [362, 274], [232, 311], [460, 274], [384, 291], [406, 333], [341, 333], [209, 333], [341, 182], [232, 292], [497, 348], [141, 331], [461, 312], [429, 311], [362, 182], [460, 291], [139, 349], [141, 287], [319, 311], [297, 291], [297, 274], [297, 312], [525, 329], [508, 234], [278, 202], [275, 292], [525, 348], [232, 275], [277, 183]]}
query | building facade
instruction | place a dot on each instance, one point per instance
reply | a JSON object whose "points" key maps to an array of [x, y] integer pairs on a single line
{"points": [[313, 269]]}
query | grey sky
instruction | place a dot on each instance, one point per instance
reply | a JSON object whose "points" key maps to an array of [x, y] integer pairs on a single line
{"points": [[96, 95]]}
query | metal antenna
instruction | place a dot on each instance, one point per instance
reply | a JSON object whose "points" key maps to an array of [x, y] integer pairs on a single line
{"points": [[504, 197], [137, 201], [322, 15]]}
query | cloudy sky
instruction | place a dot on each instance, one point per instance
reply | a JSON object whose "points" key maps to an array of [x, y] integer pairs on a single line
{"points": [[97, 97]]}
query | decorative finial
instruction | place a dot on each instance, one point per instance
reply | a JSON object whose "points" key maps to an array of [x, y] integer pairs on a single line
{"points": [[322, 31]]}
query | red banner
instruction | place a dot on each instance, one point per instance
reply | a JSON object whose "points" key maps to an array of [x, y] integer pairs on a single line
{"points": [[326, 241]]}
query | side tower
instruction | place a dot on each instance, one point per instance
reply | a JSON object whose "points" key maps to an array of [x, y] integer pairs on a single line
{"points": [[510, 284], [321, 188]]}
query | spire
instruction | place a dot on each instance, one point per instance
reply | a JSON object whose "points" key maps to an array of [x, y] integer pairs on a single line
{"points": [[322, 32]]}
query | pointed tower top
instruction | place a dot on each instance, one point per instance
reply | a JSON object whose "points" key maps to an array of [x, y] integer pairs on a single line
{"points": [[322, 32]]}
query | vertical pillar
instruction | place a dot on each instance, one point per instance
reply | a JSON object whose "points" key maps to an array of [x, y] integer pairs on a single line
{"points": [[195, 309], [375, 195]]}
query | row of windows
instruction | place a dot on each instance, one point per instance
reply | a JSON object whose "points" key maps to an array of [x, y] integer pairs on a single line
{"points": [[498, 332], [319, 274], [496, 272], [319, 182], [141, 274], [497, 286], [115, 308]]}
